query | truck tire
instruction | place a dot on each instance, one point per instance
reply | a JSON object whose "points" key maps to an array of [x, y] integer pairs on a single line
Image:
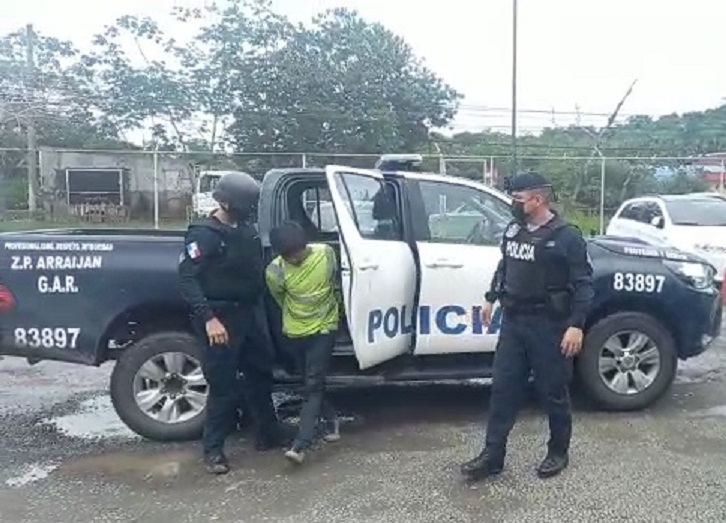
{"points": [[628, 362], [158, 389]]}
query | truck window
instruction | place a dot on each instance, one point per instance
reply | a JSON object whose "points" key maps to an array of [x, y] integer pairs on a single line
{"points": [[319, 209], [373, 206], [460, 214], [633, 211]]}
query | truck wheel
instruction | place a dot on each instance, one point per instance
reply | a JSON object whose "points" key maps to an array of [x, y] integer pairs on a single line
{"points": [[158, 389], [628, 361]]}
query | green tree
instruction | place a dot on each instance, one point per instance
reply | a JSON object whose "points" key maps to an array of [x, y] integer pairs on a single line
{"points": [[54, 94], [141, 91], [184, 92], [341, 85]]}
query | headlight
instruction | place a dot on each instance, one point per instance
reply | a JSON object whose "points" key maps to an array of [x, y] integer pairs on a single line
{"points": [[698, 275]]}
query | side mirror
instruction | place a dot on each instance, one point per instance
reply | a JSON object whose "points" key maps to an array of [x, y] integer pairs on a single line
{"points": [[658, 222]]}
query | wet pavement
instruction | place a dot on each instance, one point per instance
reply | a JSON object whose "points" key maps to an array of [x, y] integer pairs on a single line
{"points": [[65, 457]]}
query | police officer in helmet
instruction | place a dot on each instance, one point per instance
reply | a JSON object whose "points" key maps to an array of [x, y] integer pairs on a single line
{"points": [[544, 284], [222, 278]]}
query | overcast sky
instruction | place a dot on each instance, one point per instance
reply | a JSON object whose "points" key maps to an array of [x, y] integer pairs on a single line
{"points": [[571, 52]]}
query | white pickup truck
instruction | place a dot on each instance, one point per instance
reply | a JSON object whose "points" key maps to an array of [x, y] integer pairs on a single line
{"points": [[691, 222]]}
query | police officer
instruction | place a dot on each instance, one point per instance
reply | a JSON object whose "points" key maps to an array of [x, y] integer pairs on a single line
{"points": [[544, 284], [222, 279]]}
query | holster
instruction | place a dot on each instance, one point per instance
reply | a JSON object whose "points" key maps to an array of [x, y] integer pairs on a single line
{"points": [[560, 303]]}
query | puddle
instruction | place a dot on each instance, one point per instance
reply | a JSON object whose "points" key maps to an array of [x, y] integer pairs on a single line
{"points": [[713, 412], [95, 419], [31, 473]]}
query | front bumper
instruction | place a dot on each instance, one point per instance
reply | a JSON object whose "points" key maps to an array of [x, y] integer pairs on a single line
{"points": [[701, 324]]}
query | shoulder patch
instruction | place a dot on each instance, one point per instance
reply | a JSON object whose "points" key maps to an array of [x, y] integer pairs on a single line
{"points": [[193, 250], [512, 230]]}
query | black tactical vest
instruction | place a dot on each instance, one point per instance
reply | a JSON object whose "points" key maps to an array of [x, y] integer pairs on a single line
{"points": [[534, 266], [235, 272]]}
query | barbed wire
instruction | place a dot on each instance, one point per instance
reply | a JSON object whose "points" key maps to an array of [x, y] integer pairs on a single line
{"points": [[449, 157]]}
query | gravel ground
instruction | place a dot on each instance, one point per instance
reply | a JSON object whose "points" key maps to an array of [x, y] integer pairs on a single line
{"points": [[65, 457]]}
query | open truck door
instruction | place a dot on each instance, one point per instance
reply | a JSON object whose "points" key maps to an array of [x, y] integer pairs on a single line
{"points": [[378, 269]]}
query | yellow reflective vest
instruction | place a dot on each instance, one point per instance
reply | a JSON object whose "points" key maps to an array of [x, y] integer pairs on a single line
{"points": [[306, 293]]}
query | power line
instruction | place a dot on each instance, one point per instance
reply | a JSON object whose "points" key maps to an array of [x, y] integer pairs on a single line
{"points": [[450, 157]]}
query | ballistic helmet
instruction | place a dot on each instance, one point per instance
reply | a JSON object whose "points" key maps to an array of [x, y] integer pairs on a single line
{"points": [[238, 190]]}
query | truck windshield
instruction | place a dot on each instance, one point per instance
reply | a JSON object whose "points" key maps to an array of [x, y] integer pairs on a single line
{"points": [[703, 212]]}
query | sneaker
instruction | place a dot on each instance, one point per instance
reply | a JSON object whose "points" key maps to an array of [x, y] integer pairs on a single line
{"points": [[331, 430], [295, 455], [485, 465], [553, 464], [216, 464]]}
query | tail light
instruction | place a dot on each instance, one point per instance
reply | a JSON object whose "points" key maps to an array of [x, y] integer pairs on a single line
{"points": [[7, 300]]}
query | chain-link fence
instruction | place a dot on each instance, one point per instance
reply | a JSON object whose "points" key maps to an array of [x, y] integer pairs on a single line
{"points": [[163, 189]]}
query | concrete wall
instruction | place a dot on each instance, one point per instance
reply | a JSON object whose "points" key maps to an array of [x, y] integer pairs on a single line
{"points": [[175, 179]]}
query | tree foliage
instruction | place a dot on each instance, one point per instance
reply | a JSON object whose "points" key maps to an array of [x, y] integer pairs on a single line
{"points": [[342, 84], [250, 80]]}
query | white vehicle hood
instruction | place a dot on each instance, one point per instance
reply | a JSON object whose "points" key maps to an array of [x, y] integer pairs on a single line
{"points": [[708, 242]]}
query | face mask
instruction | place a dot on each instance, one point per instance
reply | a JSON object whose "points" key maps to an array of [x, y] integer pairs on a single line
{"points": [[518, 211]]}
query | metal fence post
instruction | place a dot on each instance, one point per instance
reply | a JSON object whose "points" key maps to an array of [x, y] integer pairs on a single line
{"points": [[602, 193], [304, 160], [156, 186]]}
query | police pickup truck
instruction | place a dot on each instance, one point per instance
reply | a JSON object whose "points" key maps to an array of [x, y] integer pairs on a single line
{"points": [[417, 254]]}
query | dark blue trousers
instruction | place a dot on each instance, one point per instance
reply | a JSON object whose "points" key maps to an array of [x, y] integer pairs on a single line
{"points": [[249, 353], [313, 355], [530, 343]]}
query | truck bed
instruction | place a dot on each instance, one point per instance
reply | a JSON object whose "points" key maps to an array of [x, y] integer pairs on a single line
{"points": [[78, 293]]}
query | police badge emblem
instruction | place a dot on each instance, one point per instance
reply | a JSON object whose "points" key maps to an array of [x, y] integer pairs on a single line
{"points": [[512, 231]]}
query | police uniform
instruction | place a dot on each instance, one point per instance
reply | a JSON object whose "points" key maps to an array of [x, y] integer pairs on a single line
{"points": [[222, 276], [544, 284]]}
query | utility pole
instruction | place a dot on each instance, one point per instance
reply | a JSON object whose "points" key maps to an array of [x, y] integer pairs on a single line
{"points": [[514, 87], [32, 142], [3, 188]]}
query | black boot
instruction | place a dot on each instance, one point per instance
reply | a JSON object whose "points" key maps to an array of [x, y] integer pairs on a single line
{"points": [[275, 436], [553, 464], [486, 464], [216, 464]]}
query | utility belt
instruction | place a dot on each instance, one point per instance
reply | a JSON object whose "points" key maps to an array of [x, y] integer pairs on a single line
{"points": [[556, 305]]}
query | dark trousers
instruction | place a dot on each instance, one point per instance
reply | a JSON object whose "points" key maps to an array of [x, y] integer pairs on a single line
{"points": [[530, 343], [250, 353], [312, 355]]}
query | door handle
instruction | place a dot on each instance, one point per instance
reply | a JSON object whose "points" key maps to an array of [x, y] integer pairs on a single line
{"points": [[368, 266], [444, 264]]}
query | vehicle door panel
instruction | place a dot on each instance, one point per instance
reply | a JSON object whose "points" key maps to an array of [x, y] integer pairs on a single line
{"points": [[625, 223], [459, 249], [378, 271]]}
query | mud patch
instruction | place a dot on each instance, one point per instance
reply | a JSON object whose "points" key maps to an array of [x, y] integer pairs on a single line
{"points": [[144, 465]]}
